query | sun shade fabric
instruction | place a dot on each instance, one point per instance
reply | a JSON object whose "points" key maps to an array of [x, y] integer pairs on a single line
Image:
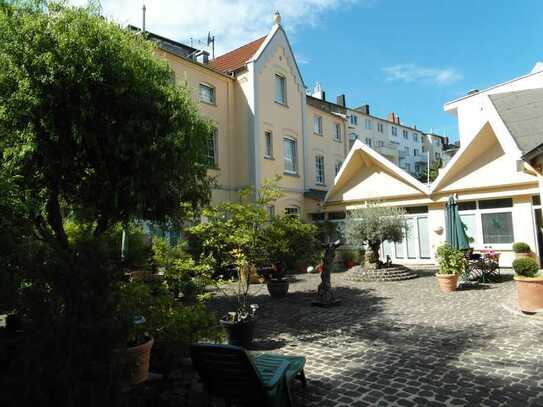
{"points": [[456, 234]]}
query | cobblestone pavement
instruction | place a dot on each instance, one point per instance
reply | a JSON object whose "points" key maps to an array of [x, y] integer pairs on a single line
{"points": [[406, 344]]}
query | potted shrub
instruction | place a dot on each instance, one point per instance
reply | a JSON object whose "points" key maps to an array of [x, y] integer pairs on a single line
{"points": [[239, 324], [452, 263], [522, 249], [529, 285], [287, 242]]}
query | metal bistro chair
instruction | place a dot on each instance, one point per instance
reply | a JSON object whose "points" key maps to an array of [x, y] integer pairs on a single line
{"points": [[232, 374]]}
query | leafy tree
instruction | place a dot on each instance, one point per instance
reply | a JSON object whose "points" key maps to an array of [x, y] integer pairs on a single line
{"points": [[91, 130], [372, 224], [434, 172]]}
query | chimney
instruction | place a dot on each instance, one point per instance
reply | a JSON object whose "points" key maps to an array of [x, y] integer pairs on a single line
{"points": [[391, 117], [318, 92], [202, 56], [323, 95], [365, 109], [340, 100]]}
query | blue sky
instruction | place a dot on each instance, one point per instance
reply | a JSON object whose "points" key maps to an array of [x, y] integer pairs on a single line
{"points": [[397, 55], [413, 56]]}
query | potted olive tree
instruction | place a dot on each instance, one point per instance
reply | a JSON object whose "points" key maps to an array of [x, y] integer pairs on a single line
{"points": [[529, 284], [370, 225], [287, 243], [452, 263]]}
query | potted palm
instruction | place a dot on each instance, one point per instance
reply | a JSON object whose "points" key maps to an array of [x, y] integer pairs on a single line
{"points": [[452, 263], [522, 249], [529, 284]]}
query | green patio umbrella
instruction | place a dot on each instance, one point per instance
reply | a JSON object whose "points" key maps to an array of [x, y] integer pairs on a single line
{"points": [[456, 235]]}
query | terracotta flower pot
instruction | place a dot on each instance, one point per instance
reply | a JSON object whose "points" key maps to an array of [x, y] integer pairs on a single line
{"points": [[447, 282], [530, 293], [137, 363]]}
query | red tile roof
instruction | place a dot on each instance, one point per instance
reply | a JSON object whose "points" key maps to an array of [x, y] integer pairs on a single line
{"points": [[237, 58]]}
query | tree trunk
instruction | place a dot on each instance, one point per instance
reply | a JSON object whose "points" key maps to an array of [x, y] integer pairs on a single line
{"points": [[372, 257]]}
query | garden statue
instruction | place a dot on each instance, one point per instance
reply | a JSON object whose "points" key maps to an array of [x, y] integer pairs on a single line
{"points": [[324, 291]]}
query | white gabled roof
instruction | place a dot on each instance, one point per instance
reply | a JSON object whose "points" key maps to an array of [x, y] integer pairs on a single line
{"points": [[361, 148]]}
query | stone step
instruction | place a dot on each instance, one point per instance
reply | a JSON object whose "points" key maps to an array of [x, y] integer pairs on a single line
{"points": [[398, 273]]}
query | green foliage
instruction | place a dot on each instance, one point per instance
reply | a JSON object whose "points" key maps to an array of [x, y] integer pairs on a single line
{"points": [[374, 223], [169, 323], [521, 247], [232, 229], [525, 266], [450, 260], [181, 273], [93, 135], [434, 172], [286, 241], [88, 90]]}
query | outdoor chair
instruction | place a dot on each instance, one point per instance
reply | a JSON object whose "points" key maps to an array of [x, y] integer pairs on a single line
{"points": [[239, 378]]}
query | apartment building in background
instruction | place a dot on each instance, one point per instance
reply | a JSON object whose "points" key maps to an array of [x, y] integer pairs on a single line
{"points": [[266, 124]]}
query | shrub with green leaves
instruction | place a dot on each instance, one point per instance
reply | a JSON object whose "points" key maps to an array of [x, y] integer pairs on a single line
{"points": [[181, 273], [526, 267], [287, 242], [521, 247], [450, 260]]}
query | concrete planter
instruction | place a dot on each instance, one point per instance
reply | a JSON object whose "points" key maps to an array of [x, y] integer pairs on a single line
{"points": [[530, 294], [447, 282]]}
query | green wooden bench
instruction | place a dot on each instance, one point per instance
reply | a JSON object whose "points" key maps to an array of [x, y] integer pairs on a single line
{"points": [[239, 378]]}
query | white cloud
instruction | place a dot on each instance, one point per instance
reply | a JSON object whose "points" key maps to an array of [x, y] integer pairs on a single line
{"points": [[233, 22], [414, 73]]}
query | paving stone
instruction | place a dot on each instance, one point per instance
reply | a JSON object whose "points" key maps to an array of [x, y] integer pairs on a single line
{"points": [[404, 343]]}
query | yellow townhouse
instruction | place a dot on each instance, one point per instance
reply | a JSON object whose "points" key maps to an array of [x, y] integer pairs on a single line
{"points": [[266, 124]]}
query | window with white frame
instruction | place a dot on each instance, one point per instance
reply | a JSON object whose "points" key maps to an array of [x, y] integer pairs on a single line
{"points": [[437, 155], [415, 152], [337, 166], [424, 149], [280, 89], [289, 156], [319, 169], [354, 120], [207, 93], [415, 137], [380, 143], [380, 127], [394, 131], [212, 150], [488, 222], [337, 132], [292, 211], [405, 134], [367, 124], [317, 125], [368, 141], [271, 210], [268, 144]]}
